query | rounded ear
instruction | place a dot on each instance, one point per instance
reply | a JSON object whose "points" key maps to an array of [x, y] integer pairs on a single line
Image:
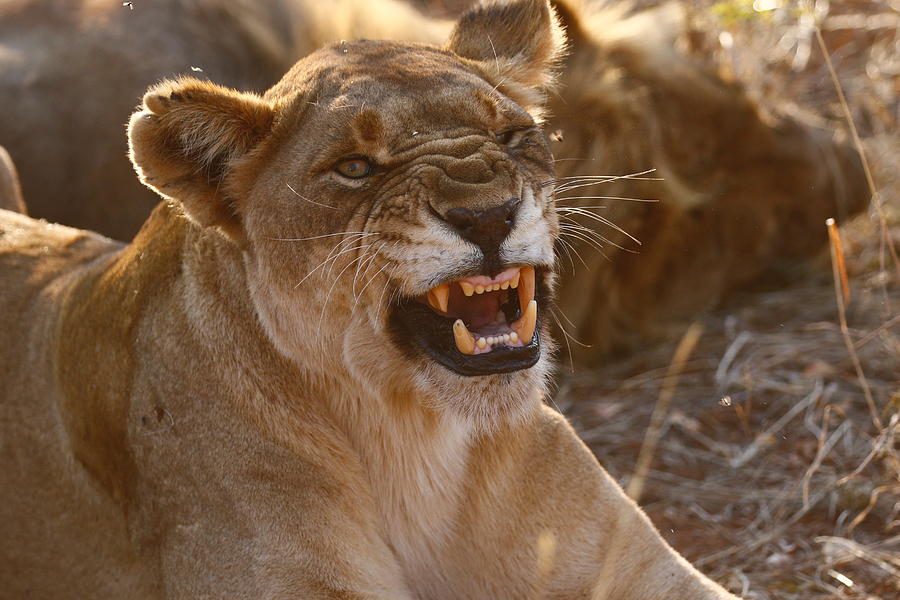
{"points": [[185, 138], [518, 45]]}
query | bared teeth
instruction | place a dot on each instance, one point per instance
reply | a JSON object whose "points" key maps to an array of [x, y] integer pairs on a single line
{"points": [[439, 297], [524, 327], [526, 287], [520, 333], [521, 276], [464, 341]]}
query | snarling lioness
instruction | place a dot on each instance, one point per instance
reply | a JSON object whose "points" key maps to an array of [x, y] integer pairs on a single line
{"points": [[317, 371]]}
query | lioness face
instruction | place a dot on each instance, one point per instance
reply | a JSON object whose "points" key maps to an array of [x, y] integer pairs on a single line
{"points": [[395, 215]]}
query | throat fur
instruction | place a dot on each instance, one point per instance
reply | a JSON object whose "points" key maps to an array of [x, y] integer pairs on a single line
{"points": [[416, 461]]}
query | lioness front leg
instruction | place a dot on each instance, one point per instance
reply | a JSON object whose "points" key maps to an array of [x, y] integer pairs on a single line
{"points": [[544, 520], [246, 539]]}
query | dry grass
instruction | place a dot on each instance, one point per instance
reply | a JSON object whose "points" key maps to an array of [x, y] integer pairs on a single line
{"points": [[750, 478], [776, 466]]}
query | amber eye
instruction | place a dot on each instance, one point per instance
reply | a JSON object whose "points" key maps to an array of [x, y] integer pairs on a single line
{"points": [[354, 168]]}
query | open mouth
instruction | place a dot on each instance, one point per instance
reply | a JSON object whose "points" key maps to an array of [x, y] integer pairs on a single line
{"points": [[477, 325]]}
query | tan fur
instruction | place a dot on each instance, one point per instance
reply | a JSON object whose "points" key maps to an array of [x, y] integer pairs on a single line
{"points": [[10, 193], [182, 419], [743, 193]]}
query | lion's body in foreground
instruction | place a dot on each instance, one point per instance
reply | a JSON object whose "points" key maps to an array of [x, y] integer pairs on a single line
{"points": [[736, 190], [152, 465], [183, 418]]}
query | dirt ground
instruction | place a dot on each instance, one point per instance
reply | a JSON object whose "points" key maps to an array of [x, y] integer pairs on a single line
{"points": [[777, 468]]}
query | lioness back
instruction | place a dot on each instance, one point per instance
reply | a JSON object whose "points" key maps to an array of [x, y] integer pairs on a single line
{"points": [[40, 264]]}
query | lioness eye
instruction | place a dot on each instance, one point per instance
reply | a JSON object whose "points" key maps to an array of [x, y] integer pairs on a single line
{"points": [[354, 168]]}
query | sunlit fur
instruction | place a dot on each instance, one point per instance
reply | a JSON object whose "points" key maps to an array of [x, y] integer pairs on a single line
{"points": [[10, 192]]}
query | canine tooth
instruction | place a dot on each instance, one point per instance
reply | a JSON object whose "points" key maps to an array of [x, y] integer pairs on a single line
{"points": [[481, 343], [527, 323], [504, 285], [432, 300], [479, 289], [514, 337], [464, 341], [526, 287], [467, 288], [442, 296], [505, 337], [514, 283]]}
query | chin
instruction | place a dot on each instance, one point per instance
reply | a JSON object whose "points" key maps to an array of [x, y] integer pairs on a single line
{"points": [[486, 402]]}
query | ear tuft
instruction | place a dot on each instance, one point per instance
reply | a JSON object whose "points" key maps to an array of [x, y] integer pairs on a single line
{"points": [[186, 137], [156, 104], [517, 44], [570, 13]]}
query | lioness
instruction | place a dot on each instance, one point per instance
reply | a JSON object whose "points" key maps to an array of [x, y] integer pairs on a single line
{"points": [[317, 371], [734, 190]]}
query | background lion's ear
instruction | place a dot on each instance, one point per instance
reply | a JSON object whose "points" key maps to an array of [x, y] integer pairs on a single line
{"points": [[518, 44], [569, 13], [186, 138]]}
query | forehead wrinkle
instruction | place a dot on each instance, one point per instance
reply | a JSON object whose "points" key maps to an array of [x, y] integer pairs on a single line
{"points": [[368, 126]]}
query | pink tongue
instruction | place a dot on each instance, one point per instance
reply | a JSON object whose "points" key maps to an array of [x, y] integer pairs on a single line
{"points": [[476, 311]]}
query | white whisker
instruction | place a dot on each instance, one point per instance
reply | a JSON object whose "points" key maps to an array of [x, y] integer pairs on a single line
{"points": [[603, 220], [324, 235], [573, 226], [302, 197], [326, 261], [578, 235], [638, 176], [626, 198], [331, 289]]}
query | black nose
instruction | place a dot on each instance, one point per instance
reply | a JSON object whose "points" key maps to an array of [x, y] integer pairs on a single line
{"points": [[485, 228]]}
